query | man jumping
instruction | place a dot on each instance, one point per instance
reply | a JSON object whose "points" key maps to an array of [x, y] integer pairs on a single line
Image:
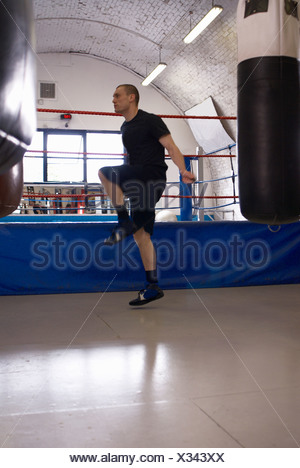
{"points": [[145, 137]]}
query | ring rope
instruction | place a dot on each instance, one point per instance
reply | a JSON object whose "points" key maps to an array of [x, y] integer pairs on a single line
{"points": [[86, 195], [114, 114], [201, 196], [214, 180], [121, 154], [111, 208], [213, 208], [222, 149]]}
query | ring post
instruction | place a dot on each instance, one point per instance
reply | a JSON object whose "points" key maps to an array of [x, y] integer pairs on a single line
{"points": [[186, 190]]}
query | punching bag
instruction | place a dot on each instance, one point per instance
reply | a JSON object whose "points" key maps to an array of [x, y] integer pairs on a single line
{"points": [[17, 97], [268, 114]]}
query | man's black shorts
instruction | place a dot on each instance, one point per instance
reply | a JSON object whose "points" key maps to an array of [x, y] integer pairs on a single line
{"points": [[144, 186]]}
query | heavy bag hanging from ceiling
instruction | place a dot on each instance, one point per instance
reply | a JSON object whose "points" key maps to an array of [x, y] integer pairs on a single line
{"points": [[268, 115], [17, 97]]}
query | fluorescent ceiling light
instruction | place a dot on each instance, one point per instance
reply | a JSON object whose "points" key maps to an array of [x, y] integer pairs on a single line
{"points": [[157, 70], [206, 20]]}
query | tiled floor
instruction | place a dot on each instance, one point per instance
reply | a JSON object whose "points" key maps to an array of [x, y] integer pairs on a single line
{"points": [[204, 368]]}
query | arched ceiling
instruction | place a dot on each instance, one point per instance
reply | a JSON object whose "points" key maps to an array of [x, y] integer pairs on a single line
{"points": [[131, 33]]}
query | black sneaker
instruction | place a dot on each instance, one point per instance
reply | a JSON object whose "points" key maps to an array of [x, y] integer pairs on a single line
{"points": [[122, 230], [151, 293]]}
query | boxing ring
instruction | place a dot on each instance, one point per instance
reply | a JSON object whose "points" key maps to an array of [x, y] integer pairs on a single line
{"points": [[190, 198], [58, 252]]}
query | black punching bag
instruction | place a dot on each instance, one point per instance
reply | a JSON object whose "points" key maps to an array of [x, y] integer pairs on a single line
{"points": [[268, 115], [17, 97]]}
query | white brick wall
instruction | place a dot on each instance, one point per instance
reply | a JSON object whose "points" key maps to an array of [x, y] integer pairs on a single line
{"points": [[129, 32]]}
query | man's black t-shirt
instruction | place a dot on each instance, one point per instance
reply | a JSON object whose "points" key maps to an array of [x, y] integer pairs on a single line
{"points": [[140, 138]]}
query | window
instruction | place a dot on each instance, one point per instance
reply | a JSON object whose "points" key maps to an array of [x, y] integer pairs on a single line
{"points": [[71, 156], [34, 159], [65, 158], [101, 151]]}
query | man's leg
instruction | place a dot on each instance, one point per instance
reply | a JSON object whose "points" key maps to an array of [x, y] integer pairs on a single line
{"points": [[114, 192], [125, 225], [152, 292], [146, 248]]}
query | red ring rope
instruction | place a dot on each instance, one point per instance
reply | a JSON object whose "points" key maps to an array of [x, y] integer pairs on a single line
{"points": [[114, 114], [85, 195]]}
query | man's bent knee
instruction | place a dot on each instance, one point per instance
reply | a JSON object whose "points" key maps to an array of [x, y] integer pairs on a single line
{"points": [[141, 236], [101, 173]]}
